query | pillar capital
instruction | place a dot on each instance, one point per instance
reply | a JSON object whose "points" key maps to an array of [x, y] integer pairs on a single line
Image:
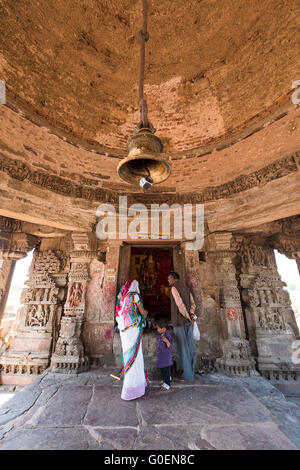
{"points": [[10, 225], [219, 241], [16, 245], [287, 244]]}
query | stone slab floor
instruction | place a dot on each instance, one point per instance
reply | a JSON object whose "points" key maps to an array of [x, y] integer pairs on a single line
{"points": [[85, 411]]}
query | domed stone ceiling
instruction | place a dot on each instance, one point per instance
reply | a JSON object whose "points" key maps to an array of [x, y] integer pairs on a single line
{"points": [[211, 66], [218, 82]]}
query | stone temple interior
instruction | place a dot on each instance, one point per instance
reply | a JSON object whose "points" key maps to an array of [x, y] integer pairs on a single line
{"points": [[220, 87]]}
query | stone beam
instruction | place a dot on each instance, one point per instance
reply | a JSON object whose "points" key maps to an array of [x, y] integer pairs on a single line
{"points": [[275, 200]]}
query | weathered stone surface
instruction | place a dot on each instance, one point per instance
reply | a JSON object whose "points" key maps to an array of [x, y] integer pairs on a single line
{"points": [[151, 438], [213, 405], [194, 98], [19, 404], [67, 408], [185, 437], [117, 438], [71, 438], [264, 437], [217, 412], [106, 409]]}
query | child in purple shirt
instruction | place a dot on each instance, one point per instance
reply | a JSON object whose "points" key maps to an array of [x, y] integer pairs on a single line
{"points": [[164, 352]]}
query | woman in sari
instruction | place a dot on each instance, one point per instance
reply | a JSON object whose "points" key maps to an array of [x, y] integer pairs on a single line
{"points": [[130, 316]]}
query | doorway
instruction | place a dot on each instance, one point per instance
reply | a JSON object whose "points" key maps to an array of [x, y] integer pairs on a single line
{"points": [[151, 267]]}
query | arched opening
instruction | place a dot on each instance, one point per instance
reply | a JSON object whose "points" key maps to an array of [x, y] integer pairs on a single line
{"points": [[10, 318], [288, 270]]}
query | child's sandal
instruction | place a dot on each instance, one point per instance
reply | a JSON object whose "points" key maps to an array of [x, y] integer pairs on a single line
{"points": [[165, 387]]}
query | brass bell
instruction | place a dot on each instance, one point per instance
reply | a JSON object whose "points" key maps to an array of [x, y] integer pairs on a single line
{"points": [[144, 160]]}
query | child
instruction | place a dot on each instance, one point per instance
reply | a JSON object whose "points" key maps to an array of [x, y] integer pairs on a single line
{"points": [[164, 352]]}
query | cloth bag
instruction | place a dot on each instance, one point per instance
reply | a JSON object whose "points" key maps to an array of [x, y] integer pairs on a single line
{"points": [[196, 332]]}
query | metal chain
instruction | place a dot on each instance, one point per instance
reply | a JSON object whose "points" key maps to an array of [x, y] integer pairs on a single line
{"points": [[144, 36]]}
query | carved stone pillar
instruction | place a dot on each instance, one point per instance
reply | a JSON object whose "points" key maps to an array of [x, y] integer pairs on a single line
{"points": [[69, 355], [30, 350], [298, 262], [7, 268], [110, 292], [186, 264], [288, 245], [268, 312], [236, 359]]}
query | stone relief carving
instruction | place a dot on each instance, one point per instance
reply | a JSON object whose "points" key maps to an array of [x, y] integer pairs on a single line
{"points": [[236, 359], [265, 297], [69, 351], [16, 245], [21, 171], [271, 321], [76, 294], [271, 172], [256, 255], [43, 294], [41, 307], [10, 225]]}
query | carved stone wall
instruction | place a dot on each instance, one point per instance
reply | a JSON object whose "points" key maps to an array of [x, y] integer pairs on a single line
{"points": [[236, 355], [208, 348], [98, 333], [269, 316], [30, 350]]}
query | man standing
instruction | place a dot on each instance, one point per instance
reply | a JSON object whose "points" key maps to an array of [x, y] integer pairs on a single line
{"points": [[182, 317]]}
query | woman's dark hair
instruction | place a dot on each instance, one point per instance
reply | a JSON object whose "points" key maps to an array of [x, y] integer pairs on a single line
{"points": [[161, 323], [175, 275]]}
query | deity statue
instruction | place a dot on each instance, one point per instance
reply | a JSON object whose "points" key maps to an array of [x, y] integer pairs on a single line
{"points": [[149, 272], [76, 294]]}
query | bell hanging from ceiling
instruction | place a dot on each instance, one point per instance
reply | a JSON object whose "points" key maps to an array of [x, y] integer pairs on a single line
{"points": [[144, 164]]}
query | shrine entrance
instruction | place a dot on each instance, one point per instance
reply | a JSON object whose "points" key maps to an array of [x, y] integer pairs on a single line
{"points": [[151, 267], [150, 264]]}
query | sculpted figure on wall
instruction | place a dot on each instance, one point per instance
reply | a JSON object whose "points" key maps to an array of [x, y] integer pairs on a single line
{"points": [[76, 294]]}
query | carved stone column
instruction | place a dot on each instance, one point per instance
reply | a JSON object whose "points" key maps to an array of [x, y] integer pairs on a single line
{"points": [[69, 355], [7, 268], [236, 359], [288, 245], [298, 262], [268, 312], [186, 263]]}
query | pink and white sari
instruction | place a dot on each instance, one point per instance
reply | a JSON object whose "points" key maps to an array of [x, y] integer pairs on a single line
{"points": [[130, 323]]}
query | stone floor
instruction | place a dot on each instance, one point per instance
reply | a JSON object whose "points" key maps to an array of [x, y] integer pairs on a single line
{"points": [[85, 412]]}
